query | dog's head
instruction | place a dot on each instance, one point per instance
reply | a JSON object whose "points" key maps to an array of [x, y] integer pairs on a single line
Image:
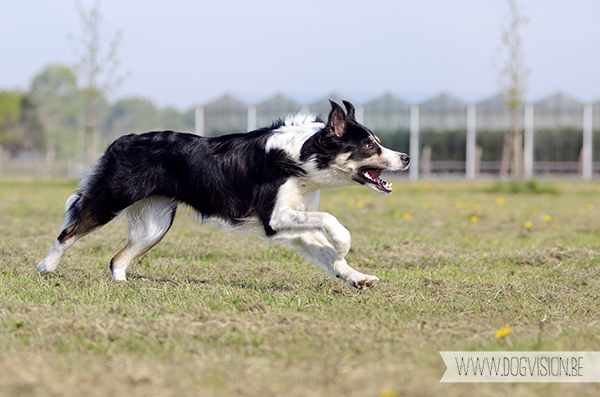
{"points": [[352, 150]]}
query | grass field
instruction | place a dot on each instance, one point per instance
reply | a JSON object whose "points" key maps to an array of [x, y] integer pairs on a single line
{"points": [[211, 313]]}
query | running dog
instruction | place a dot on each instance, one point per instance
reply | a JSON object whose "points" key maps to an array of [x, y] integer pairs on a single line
{"points": [[265, 181]]}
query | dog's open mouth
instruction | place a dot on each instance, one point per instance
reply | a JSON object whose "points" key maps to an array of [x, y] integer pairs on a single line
{"points": [[374, 181]]}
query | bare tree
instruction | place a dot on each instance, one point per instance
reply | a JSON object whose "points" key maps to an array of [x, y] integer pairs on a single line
{"points": [[513, 76], [97, 66]]}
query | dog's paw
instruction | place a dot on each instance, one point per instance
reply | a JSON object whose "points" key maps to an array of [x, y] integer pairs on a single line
{"points": [[362, 282], [119, 275], [41, 269]]}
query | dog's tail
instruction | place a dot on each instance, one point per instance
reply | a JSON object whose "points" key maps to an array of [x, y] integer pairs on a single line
{"points": [[72, 207], [72, 212]]}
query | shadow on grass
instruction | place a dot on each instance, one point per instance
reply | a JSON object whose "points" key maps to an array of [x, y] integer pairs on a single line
{"points": [[237, 284], [258, 287]]}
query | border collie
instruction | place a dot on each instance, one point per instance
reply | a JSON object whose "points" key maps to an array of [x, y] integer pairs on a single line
{"points": [[265, 181]]}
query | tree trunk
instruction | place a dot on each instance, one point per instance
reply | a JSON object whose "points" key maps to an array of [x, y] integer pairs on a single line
{"points": [[517, 143], [517, 156], [506, 150]]}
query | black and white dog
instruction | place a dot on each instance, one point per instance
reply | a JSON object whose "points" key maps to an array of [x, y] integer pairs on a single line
{"points": [[265, 181]]}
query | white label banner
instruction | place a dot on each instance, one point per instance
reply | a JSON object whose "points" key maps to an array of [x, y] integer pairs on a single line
{"points": [[521, 366]]}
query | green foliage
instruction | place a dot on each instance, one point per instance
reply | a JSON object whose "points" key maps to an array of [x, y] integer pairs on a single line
{"points": [[55, 93], [10, 109], [131, 115], [396, 140], [491, 142], [49, 115], [529, 187], [140, 115], [550, 145], [20, 128], [10, 114], [446, 146], [558, 145]]}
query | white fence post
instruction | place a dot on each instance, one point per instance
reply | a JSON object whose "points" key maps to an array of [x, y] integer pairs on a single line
{"points": [[413, 171], [587, 142], [528, 144], [471, 141], [199, 120]]}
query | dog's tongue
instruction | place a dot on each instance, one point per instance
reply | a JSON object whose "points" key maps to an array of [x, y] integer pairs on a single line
{"points": [[374, 174]]}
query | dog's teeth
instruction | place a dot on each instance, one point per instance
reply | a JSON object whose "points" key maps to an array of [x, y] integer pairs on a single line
{"points": [[368, 176]]}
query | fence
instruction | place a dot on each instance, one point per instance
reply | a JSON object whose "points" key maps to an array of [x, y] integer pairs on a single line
{"points": [[443, 135], [464, 138]]}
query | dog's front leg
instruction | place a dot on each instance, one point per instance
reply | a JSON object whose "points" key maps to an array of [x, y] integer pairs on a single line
{"points": [[298, 222], [314, 245]]}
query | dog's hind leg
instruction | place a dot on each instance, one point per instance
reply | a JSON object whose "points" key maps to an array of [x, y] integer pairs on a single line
{"points": [[314, 245], [148, 220], [77, 224]]}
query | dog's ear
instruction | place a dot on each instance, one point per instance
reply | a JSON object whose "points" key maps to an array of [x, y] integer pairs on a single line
{"points": [[350, 111], [337, 120]]}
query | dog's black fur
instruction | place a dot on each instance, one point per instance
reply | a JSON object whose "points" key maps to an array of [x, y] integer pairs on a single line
{"points": [[229, 177]]}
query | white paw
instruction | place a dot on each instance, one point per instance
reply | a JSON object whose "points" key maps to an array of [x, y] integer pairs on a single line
{"points": [[42, 269], [361, 281], [119, 275]]}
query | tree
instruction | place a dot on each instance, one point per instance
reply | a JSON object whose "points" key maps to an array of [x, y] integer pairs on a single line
{"points": [[97, 67], [10, 111], [55, 93], [20, 128], [131, 115], [513, 76], [139, 115]]}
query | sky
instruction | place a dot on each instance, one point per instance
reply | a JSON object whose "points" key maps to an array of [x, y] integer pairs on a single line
{"points": [[186, 52]]}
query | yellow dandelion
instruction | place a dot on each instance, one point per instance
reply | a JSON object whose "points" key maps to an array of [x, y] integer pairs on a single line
{"points": [[426, 204], [406, 216], [361, 203], [556, 227], [477, 207], [486, 255], [387, 393], [589, 207], [350, 203], [500, 201], [547, 218], [397, 214], [474, 219], [502, 332], [528, 224]]}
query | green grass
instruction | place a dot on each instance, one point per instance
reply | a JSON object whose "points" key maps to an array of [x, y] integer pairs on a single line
{"points": [[212, 313]]}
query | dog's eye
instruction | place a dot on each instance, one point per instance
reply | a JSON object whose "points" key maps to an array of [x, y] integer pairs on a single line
{"points": [[368, 145]]}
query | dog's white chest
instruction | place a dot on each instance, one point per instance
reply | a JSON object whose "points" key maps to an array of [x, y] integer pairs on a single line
{"points": [[297, 196]]}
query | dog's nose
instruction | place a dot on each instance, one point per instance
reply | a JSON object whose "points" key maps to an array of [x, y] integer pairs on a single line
{"points": [[405, 158]]}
